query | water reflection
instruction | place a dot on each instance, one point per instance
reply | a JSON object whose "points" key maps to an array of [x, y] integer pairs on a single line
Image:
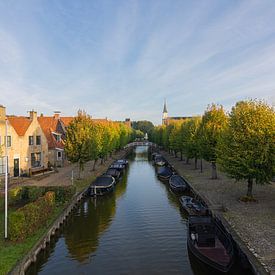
{"points": [[138, 229]]}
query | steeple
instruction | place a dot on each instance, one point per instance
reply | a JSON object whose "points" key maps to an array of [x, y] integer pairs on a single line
{"points": [[164, 114], [164, 107]]}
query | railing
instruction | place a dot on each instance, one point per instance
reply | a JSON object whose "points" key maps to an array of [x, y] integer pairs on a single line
{"points": [[140, 143]]}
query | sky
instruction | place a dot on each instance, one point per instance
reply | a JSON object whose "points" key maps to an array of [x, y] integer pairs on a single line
{"points": [[120, 59]]}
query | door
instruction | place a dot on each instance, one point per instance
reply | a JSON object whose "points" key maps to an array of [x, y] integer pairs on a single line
{"points": [[16, 168]]}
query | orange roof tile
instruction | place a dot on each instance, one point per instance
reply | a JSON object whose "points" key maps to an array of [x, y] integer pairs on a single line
{"points": [[50, 125], [20, 124], [67, 120]]}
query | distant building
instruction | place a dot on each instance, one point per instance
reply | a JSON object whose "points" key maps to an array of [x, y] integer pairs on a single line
{"points": [[166, 120]]}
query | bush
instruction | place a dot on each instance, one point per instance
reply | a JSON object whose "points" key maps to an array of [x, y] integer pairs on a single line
{"points": [[31, 217]]}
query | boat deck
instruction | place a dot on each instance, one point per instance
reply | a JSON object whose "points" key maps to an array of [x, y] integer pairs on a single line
{"points": [[216, 254]]}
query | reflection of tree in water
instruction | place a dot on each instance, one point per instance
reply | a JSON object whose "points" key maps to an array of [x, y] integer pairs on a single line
{"points": [[84, 229], [91, 219]]}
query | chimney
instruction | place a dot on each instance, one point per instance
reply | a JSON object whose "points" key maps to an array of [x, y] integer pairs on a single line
{"points": [[33, 115], [2, 113], [56, 114]]}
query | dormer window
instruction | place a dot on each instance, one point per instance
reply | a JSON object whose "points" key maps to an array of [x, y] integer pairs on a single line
{"points": [[57, 136]]}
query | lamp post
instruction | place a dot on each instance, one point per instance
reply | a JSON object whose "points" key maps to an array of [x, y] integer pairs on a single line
{"points": [[6, 180]]}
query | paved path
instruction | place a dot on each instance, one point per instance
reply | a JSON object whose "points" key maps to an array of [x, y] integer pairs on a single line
{"points": [[64, 174], [254, 222]]}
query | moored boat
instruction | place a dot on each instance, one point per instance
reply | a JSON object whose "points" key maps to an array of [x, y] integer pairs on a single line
{"points": [[122, 161], [102, 185], [164, 172], [116, 174], [178, 184], [118, 166], [160, 160], [193, 206], [209, 243]]}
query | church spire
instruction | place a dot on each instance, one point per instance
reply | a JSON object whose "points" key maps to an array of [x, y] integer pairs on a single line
{"points": [[164, 107]]}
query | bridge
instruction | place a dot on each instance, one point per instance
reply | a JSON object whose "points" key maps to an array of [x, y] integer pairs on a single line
{"points": [[140, 143]]}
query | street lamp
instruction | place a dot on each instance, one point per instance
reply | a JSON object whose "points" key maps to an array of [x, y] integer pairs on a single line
{"points": [[6, 180]]}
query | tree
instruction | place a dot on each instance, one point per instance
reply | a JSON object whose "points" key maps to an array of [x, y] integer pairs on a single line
{"points": [[77, 145], [190, 138], [246, 148], [144, 125], [213, 123]]}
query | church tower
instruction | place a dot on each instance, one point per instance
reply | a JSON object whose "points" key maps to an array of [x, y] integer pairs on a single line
{"points": [[164, 114]]}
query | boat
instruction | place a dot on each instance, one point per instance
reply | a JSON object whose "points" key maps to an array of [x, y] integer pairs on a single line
{"points": [[164, 172], [153, 156], [118, 166], [115, 173], [160, 160], [193, 206], [178, 184], [122, 161], [102, 185], [209, 243]]}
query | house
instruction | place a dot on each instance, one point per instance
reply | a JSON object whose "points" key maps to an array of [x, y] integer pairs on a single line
{"points": [[27, 147], [55, 132]]}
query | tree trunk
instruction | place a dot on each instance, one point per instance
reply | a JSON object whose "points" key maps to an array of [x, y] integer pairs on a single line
{"points": [[180, 155], [94, 164], [214, 170], [196, 163], [79, 170], [187, 160], [175, 154], [102, 159], [249, 187], [201, 165]]}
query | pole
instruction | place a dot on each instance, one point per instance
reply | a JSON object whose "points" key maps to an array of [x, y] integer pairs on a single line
{"points": [[6, 180]]}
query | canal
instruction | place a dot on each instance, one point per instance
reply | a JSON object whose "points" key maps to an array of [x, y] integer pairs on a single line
{"points": [[138, 229]]}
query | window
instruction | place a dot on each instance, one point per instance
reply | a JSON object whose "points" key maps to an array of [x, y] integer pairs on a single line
{"points": [[59, 155], [36, 159], [2, 165], [57, 137], [30, 140], [38, 140], [8, 141]]}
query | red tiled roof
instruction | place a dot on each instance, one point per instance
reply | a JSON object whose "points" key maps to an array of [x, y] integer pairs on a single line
{"points": [[67, 120], [49, 125], [20, 124]]}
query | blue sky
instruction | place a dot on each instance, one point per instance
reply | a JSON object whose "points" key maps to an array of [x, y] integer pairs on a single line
{"points": [[120, 59]]}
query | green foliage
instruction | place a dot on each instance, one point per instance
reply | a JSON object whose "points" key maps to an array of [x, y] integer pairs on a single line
{"points": [[213, 123], [88, 140], [26, 220], [144, 126], [247, 146]]}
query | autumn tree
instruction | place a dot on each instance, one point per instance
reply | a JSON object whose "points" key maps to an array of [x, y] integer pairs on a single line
{"points": [[247, 146], [77, 146], [212, 125]]}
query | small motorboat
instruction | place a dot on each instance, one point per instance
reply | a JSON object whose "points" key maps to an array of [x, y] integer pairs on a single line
{"points": [[210, 243], [178, 184], [160, 160], [193, 206], [153, 155], [118, 166], [122, 161], [116, 174], [164, 172], [102, 185]]}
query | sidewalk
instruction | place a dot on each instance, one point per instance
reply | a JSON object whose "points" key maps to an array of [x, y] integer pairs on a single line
{"points": [[254, 222], [64, 175]]}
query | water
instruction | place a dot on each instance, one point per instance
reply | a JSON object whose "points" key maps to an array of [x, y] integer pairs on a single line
{"points": [[138, 229]]}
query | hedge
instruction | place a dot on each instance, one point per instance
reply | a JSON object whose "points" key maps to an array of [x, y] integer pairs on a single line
{"points": [[23, 195], [27, 219]]}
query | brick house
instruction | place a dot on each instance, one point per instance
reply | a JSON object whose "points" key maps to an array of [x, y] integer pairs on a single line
{"points": [[55, 132], [27, 147]]}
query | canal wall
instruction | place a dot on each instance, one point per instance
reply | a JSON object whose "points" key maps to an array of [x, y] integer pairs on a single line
{"points": [[21, 267], [244, 255]]}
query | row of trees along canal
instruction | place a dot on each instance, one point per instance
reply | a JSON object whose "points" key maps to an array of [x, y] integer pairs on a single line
{"points": [[241, 142], [88, 140]]}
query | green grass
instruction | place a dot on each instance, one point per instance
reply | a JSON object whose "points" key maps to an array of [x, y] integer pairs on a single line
{"points": [[13, 252]]}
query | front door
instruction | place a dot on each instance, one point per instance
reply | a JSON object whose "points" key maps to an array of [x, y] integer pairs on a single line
{"points": [[16, 168]]}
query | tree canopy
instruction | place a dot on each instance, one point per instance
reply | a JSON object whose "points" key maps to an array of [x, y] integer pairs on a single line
{"points": [[246, 148]]}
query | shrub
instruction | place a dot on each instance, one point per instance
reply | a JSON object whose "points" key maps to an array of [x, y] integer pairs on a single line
{"points": [[27, 219]]}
